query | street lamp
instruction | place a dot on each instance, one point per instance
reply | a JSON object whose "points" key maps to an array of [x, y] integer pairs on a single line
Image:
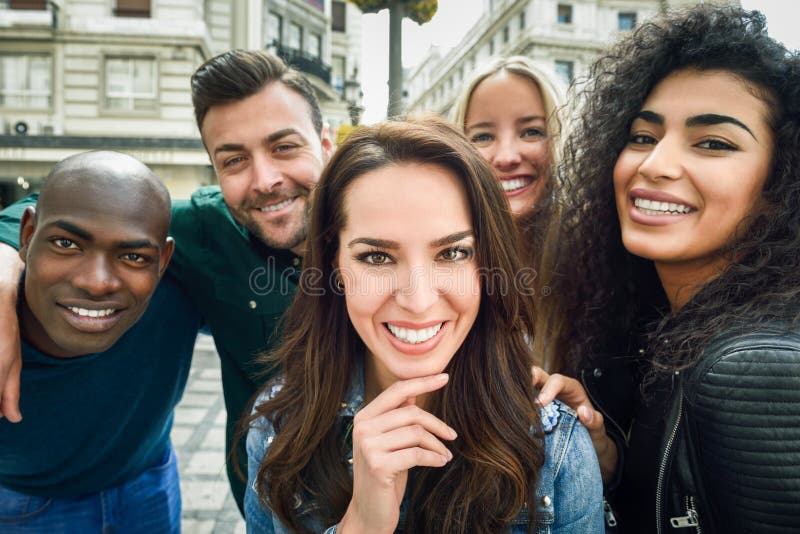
{"points": [[353, 96]]}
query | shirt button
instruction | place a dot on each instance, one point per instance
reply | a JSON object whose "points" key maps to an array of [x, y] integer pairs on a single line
{"points": [[252, 304], [269, 439], [343, 405], [296, 262], [546, 500], [597, 372], [350, 461]]}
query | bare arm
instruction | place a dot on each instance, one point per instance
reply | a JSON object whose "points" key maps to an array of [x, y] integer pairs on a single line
{"points": [[10, 358]]}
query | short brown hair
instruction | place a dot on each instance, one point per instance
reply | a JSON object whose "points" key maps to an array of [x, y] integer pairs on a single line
{"points": [[237, 74]]}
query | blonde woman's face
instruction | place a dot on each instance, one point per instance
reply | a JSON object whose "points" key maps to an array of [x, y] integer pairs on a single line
{"points": [[507, 122]]}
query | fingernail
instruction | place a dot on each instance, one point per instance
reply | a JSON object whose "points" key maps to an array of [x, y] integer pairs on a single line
{"points": [[540, 400], [444, 458], [586, 414], [452, 432], [441, 377]]}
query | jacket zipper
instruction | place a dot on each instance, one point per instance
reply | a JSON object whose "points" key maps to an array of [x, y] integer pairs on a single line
{"points": [[691, 518], [663, 467], [611, 519]]}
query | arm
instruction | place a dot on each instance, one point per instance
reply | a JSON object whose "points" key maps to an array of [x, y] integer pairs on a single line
{"points": [[571, 392], [743, 410], [578, 491], [11, 268], [259, 519]]}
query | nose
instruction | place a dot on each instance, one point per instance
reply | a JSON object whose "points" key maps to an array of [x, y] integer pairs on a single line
{"points": [[417, 291], [97, 276], [663, 161], [266, 176], [506, 154]]}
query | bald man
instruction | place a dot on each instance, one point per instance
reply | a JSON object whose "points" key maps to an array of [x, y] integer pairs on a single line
{"points": [[93, 452]]}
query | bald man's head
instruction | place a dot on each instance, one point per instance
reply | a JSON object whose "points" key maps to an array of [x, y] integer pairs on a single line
{"points": [[94, 250]]}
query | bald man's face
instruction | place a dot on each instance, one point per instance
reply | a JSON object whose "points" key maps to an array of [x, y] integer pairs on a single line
{"points": [[94, 256]]}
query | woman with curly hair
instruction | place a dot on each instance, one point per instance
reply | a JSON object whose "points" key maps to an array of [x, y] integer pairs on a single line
{"points": [[680, 265], [510, 111], [405, 401]]}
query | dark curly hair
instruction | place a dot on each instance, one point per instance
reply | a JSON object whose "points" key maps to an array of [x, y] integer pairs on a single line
{"points": [[609, 293]]}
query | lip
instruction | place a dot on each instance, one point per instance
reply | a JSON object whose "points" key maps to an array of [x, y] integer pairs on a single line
{"points": [[91, 325], [660, 196], [416, 349], [521, 190], [277, 212]]}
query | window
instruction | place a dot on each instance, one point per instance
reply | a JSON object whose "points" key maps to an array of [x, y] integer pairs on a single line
{"points": [[564, 14], [506, 34], [338, 73], [521, 20], [132, 8], [295, 36], [626, 21], [28, 4], [131, 84], [274, 28], [25, 81], [565, 69], [338, 16], [314, 45]]}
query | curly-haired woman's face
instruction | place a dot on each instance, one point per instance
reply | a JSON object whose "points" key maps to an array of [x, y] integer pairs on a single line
{"points": [[407, 261], [506, 121], [693, 169]]}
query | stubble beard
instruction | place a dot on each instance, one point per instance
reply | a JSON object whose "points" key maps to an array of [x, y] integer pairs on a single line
{"points": [[290, 242]]}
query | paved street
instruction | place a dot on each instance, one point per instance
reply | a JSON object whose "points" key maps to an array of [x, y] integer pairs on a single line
{"points": [[198, 435]]}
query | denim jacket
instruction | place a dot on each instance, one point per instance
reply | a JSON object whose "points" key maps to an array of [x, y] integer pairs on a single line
{"points": [[569, 493]]}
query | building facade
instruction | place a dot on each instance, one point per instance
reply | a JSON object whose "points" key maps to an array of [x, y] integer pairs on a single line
{"points": [[78, 75], [561, 35]]}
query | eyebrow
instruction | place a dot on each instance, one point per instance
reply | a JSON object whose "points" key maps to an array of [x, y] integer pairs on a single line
{"points": [[271, 138], [706, 119], [521, 120], [85, 234], [393, 245]]}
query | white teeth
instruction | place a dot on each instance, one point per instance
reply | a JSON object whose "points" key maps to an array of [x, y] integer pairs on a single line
{"points": [[654, 207], [83, 312], [409, 335], [278, 206], [513, 185]]}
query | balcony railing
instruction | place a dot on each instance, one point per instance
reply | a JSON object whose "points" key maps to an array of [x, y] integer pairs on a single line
{"points": [[303, 62]]}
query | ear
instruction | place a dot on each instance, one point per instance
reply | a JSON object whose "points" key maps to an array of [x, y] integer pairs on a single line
{"points": [[327, 142], [166, 255], [27, 227]]}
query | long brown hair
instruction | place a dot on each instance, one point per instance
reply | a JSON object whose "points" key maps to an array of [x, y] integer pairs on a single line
{"points": [[489, 399]]}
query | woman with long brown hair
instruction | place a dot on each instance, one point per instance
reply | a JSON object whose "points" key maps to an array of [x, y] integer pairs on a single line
{"points": [[405, 401]]}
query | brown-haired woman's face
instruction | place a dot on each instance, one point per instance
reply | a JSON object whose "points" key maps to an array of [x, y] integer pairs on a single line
{"points": [[407, 261], [693, 170], [507, 122]]}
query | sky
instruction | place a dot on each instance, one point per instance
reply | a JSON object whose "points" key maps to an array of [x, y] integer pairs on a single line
{"points": [[455, 17]]}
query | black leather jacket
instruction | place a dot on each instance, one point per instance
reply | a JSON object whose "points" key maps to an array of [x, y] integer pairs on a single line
{"points": [[730, 456]]}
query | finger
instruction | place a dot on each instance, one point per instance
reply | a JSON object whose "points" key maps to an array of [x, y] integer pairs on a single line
{"points": [[404, 438], [408, 416], [567, 390], [552, 388], [405, 459], [398, 393], [9, 403], [539, 376]]}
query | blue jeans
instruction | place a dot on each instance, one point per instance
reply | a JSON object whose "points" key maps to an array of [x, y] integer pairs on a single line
{"points": [[149, 503]]}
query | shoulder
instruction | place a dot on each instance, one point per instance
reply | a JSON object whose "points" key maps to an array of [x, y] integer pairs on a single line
{"points": [[564, 435], [206, 202], [261, 432]]}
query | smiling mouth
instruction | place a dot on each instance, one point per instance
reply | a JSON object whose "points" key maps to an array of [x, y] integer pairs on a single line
{"points": [[412, 336], [655, 207], [86, 312], [515, 184], [277, 207]]}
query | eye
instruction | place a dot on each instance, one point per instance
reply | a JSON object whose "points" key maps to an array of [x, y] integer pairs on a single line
{"points": [[533, 132], [374, 257], [642, 139], [715, 144], [136, 258], [64, 243], [482, 138], [230, 162], [456, 254], [285, 147]]}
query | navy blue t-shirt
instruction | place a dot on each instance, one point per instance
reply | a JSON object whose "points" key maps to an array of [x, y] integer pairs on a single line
{"points": [[99, 420]]}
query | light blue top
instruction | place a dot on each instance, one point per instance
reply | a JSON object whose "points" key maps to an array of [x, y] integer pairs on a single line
{"points": [[569, 494]]}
